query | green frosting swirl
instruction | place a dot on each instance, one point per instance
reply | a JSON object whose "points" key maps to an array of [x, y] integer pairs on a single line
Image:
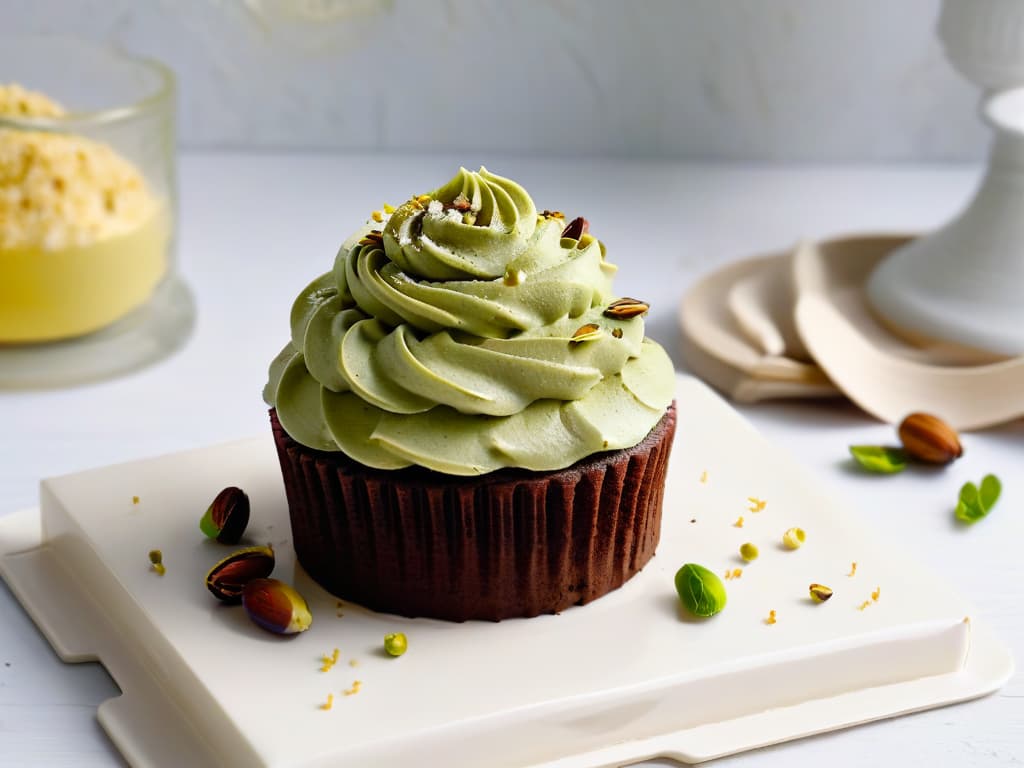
{"points": [[446, 341]]}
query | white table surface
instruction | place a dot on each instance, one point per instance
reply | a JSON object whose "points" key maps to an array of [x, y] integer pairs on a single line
{"points": [[255, 228]]}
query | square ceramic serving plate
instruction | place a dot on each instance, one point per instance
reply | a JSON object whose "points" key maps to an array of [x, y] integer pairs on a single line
{"points": [[622, 679]]}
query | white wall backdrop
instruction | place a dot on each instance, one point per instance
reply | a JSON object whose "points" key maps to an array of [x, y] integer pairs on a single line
{"points": [[771, 80]]}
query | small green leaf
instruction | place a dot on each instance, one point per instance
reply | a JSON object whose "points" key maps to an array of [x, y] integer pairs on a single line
{"points": [[990, 490], [877, 458], [969, 508], [974, 504]]}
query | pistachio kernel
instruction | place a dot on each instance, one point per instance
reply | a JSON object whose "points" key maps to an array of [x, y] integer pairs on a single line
{"points": [[748, 552], [227, 516], [276, 607], [820, 593], [228, 578], [625, 308], [794, 538], [587, 332], [156, 559], [461, 203], [617, 333], [552, 214], [576, 228], [395, 644], [514, 277], [700, 591]]}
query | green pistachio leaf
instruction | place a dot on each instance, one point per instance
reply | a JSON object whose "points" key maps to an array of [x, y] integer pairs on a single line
{"points": [[969, 508], [990, 490], [876, 458]]}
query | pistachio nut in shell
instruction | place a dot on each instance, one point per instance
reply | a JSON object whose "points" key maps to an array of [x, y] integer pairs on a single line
{"points": [[228, 578], [227, 516], [929, 439], [276, 607], [576, 228]]}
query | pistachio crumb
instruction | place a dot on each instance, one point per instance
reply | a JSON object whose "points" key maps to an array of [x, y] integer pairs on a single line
{"points": [[389, 209], [377, 216], [617, 333], [853, 569], [739, 522], [353, 662], [704, 476], [356, 685], [329, 703], [135, 499], [863, 605], [156, 559], [756, 504], [771, 618], [876, 594]]}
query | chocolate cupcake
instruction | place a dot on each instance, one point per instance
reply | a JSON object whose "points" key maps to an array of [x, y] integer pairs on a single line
{"points": [[469, 425]]}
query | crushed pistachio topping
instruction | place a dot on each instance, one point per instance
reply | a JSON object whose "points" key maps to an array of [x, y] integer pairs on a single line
{"points": [[389, 209], [794, 538], [819, 593], [876, 594], [353, 662], [514, 277], [853, 569], [329, 703], [135, 499], [329, 661], [863, 605], [356, 685], [377, 216], [587, 332], [156, 560], [704, 476], [756, 504], [735, 573], [739, 522], [546, 214], [771, 618]]}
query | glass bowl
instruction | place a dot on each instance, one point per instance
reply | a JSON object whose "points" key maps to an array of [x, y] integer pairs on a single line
{"points": [[89, 286]]}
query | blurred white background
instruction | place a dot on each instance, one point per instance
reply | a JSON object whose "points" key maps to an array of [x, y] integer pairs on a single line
{"points": [[743, 80]]}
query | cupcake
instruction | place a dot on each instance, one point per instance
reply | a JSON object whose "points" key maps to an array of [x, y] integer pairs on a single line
{"points": [[470, 424]]}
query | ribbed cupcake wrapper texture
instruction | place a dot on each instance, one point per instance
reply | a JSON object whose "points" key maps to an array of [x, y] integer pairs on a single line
{"points": [[508, 544]]}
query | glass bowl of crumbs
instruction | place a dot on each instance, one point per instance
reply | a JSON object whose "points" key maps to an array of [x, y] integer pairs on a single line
{"points": [[89, 286]]}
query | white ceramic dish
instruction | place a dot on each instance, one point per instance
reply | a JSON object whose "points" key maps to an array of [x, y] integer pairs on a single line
{"points": [[623, 679], [736, 334], [885, 375]]}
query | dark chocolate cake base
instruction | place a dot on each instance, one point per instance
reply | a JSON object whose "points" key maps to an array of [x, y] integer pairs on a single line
{"points": [[511, 543]]}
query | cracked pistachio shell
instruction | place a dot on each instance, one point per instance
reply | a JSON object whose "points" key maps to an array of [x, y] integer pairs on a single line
{"points": [[276, 607]]}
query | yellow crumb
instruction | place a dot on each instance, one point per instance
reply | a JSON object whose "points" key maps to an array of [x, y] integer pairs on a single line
{"points": [[853, 569], [771, 618], [739, 522], [389, 208], [737, 572], [356, 685], [160, 568], [16, 101], [135, 499], [876, 594], [756, 504], [863, 605], [377, 216], [704, 476], [423, 199], [353, 662], [329, 703], [728, 574]]}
